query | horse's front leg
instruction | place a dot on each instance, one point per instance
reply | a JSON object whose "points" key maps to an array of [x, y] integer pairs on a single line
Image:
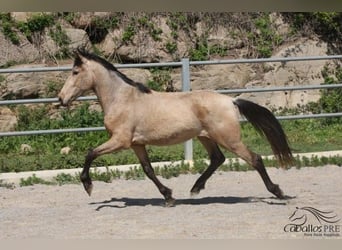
{"points": [[108, 147], [141, 153], [85, 177]]}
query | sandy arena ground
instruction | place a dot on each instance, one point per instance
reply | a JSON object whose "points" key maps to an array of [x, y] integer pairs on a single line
{"points": [[233, 205]]}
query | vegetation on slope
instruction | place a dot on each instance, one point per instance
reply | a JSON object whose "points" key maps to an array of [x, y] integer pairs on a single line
{"points": [[259, 36]]}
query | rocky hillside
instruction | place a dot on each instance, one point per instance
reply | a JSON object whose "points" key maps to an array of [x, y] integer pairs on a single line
{"points": [[48, 39]]}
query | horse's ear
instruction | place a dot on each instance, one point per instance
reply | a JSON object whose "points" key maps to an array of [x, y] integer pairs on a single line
{"points": [[79, 58]]}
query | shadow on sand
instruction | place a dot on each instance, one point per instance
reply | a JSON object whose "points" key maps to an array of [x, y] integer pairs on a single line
{"points": [[128, 202]]}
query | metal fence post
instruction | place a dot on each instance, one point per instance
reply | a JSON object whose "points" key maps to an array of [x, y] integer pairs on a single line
{"points": [[188, 145]]}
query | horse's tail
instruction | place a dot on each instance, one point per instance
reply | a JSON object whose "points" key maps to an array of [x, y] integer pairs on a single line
{"points": [[267, 125]]}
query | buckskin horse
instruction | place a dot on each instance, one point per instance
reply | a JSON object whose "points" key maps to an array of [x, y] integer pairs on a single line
{"points": [[136, 116]]}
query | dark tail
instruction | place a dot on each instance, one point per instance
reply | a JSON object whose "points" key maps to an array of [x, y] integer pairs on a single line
{"points": [[267, 125]]}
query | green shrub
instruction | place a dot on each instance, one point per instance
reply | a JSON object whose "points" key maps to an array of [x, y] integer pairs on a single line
{"points": [[331, 99], [33, 180], [135, 173], [63, 178], [305, 136], [59, 36], [161, 80], [325, 24], [200, 52], [128, 33], [171, 47], [169, 171], [36, 24], [264, 36], [7, 28], [106, 176]]}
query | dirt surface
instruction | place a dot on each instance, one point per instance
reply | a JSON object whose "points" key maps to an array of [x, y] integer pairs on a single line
{"points": [[233, 205]]}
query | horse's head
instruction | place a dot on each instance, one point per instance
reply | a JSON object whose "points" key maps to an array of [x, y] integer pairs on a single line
{"points": [[80, 80]]}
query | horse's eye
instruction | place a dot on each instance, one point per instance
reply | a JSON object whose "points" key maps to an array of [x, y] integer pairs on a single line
{"points": [[75, 72]]}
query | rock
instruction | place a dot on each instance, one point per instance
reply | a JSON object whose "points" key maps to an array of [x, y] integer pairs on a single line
{"points": [[215, 77], [25, 148], [95, 107], [25, 16], [292, 74], [49, 46], [220, 35], [138, 75], [84, 19], [23, 89], [281, 27], [10, 52], [230, 32], [8, 120], [33, 84], [221, 76], [147, 51], [78, 38], [21, 16], [65, 150], [142, 47]]}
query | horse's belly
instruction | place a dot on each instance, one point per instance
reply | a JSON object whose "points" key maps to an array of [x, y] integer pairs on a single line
{"points": [[174, 139], [167, 122], [164, 137]]}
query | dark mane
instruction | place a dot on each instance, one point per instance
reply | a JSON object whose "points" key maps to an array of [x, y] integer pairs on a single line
{"points": [[78, 62]]}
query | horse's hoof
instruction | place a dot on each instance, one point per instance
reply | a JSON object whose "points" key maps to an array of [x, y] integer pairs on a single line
{"points": [[170, 202], [196, 190], [281, 196], [88, 187], [278, 192], [194, 193]]}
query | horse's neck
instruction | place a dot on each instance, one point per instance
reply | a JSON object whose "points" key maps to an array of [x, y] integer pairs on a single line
{"points": [[109, 89]]}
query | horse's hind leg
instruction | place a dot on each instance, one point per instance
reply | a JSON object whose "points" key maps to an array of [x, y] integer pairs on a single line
{"points": [[216, 159], [256, 162], [141, 153]]}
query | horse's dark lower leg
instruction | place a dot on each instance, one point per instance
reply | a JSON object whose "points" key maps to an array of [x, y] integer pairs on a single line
{"points": [[165, 191], [85, 177], [216, 159], [141, 153], [259, 166], [256, 162], [112, 145]]}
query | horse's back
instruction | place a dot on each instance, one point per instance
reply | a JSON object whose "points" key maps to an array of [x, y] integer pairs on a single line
{"points": [[169, 118]]}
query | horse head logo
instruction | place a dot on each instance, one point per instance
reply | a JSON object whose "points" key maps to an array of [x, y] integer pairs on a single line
{"points": [[301, 216]]}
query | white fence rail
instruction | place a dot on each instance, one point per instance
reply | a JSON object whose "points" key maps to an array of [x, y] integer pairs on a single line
{"points": [[186, 86]]}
